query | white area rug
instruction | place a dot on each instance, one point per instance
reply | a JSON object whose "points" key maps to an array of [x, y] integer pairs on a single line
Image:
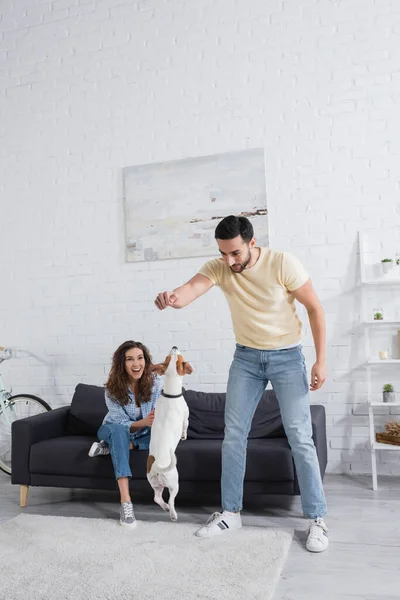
{"points": [[65, 558]]}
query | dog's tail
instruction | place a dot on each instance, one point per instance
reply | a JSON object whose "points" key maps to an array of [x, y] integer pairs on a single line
{"points": [[160, 467]]}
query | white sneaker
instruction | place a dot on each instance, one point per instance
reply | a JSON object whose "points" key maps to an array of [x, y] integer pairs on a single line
{"points": [[219, 523], [127, 516], [317, 540], [98, 449]]}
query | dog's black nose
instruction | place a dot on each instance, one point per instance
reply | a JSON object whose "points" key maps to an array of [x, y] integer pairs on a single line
{"points": [[174, 347]]}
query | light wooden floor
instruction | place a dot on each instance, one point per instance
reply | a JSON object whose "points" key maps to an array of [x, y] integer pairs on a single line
{"points": [[362, 562]]}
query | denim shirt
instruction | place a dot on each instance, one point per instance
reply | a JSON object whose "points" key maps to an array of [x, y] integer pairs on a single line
{"points": [[125, 415]]}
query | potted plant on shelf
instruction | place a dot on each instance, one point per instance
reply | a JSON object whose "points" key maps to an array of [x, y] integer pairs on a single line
{"points": [[388, 393], [378, 316], [387, 265]]}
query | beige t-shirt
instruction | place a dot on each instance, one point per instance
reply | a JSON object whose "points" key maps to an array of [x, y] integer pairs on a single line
{"points": [[262, 306]]}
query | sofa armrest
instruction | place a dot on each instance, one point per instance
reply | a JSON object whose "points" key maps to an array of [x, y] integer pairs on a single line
{"points": [[26, 432], [318, 419]]}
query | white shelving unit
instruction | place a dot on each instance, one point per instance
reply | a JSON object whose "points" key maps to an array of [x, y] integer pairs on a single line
{"points": [[378, 445], [382, 323], [383, 362], [371, 362]]}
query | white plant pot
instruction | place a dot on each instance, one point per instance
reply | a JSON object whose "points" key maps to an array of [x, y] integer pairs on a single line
{"points": [[387, 268], [389, 397]]}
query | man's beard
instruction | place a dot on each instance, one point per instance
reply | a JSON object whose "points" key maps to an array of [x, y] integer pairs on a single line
{"points": [[242, 265]]}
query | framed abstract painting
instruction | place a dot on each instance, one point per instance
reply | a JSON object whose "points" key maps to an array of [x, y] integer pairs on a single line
{"points": [[172, 208]]}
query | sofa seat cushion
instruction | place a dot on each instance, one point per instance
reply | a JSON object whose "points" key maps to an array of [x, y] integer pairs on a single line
{"points": [[267, 460], [68, 455], [198, 460]]}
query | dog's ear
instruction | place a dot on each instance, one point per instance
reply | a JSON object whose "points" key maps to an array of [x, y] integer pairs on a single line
{"points": [[182, 367], [160, 368], [187, 368]]}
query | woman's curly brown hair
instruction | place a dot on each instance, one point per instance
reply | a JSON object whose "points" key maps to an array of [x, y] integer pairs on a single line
{"points": [[118, 380]]}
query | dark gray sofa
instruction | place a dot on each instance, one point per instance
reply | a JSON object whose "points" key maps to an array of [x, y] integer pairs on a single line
{"points": [[51, 449]]}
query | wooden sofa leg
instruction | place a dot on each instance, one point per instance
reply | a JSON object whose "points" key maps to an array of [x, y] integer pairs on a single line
{"points": [[23, 495]]}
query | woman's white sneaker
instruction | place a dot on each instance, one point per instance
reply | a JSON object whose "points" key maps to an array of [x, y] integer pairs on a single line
{"points": [[220, 523], [99, 449], [317, 539], [127, 516]]}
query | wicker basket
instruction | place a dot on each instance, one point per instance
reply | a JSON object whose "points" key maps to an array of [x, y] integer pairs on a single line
{"points": [[385, 438]]}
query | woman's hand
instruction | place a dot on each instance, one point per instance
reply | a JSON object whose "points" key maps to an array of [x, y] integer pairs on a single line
{"points": [[148, 421]]}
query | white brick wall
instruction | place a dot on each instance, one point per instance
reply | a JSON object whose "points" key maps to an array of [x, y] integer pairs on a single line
{"points": [[90, 86]]}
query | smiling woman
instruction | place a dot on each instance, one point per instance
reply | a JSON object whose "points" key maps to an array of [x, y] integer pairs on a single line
{"points": [[131, 370], [130, 395]]}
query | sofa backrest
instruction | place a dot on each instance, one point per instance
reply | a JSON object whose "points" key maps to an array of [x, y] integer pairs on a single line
{"points": [[206, 419], [88, 409]]}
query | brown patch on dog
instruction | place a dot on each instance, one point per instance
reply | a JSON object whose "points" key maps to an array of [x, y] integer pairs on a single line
{"points": [[160, 368], [182, 367], [179, 365], [150, 462]]}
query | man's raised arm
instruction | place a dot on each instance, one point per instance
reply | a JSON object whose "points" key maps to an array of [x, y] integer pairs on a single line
{"points": [[185, 294]]}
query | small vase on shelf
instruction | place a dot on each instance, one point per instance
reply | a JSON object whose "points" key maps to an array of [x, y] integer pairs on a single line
{"points": [[388, 393], [387, 266]]}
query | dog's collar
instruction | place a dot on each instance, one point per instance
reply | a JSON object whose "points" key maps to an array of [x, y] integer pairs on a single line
{"points": [[169, 395]]}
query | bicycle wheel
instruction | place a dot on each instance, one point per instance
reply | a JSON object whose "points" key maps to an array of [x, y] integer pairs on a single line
{"points": [[18, 407]]}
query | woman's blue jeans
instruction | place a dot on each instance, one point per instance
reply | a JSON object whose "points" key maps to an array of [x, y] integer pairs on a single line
{"points": [[118, 439]]}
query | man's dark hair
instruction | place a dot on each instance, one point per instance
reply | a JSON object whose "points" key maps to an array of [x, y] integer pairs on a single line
{"points": [[232, 226]]}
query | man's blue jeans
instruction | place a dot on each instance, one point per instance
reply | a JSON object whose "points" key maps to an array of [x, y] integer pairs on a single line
{"points": [[118, 437], [250, 372]]}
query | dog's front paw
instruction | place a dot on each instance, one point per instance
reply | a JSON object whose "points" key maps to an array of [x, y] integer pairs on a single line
{"points": [[184, 437]]}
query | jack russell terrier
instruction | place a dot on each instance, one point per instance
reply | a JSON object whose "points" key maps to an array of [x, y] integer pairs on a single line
{"points": [[170, 425]]}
